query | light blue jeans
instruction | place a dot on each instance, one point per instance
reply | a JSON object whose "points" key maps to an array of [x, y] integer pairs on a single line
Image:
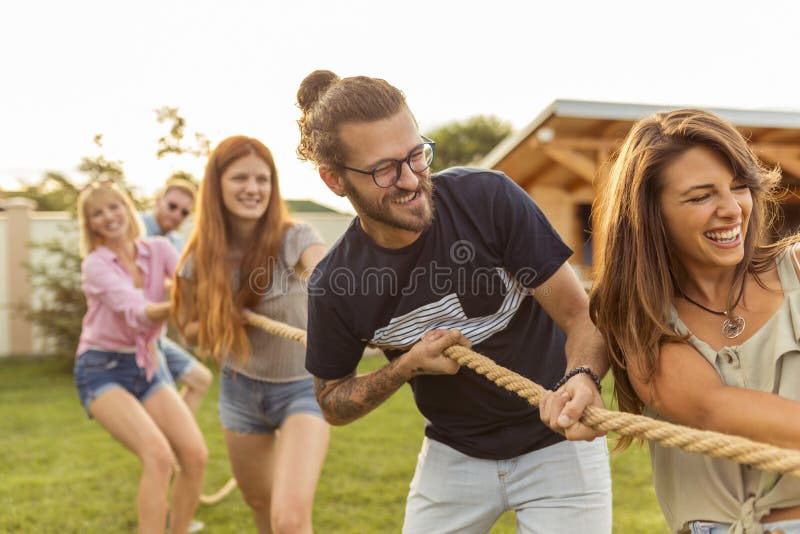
{"points": [[250, 406], [562, 488], [173, 361], [791, 526]]}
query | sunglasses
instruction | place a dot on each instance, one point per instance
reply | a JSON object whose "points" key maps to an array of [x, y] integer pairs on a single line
{"points": [[171, 206]]}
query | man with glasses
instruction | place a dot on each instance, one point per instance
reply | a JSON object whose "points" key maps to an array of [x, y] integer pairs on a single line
{"points": [[460, 257]]}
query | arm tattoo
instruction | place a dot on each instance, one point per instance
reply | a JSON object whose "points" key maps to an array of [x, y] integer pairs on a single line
{"points": [[346, 399]]}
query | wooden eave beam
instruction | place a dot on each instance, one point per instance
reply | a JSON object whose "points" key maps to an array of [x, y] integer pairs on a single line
{"points": [[572, 160], [586, 143]]}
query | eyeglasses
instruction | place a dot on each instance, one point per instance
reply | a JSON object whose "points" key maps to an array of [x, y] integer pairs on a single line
{"points": [[387, 172], [171, 206]]}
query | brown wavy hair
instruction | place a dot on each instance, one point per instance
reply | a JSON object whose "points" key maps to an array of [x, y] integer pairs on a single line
{"points": [[328, 101], [218, 311], [636, 273]]}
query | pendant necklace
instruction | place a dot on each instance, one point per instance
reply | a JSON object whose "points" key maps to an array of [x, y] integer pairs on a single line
{"points": [[733, 325]]}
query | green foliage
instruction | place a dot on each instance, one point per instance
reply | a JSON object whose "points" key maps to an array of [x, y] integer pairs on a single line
{"points": [[61, 306], [466, 142], [174, 142], [99, 169], [63, 473], [54, 192]]}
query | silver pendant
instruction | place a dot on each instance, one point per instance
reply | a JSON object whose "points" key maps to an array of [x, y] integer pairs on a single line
{"points": [[733, 327]]}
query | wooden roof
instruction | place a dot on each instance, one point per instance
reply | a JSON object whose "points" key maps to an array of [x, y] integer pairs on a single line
{"points": [[571, 141]]}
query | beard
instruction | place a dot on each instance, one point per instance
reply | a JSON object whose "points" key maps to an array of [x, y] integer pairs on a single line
{"points": [[416, 219]]}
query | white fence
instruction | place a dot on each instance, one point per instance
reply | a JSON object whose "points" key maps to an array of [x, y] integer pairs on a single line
{"points": [[20, 226]]}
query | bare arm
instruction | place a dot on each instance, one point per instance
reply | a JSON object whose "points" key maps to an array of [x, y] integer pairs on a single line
{"points": [[186, 321], [565, 301], [346, 399], [157, 311], [705, 402], [309, 260]]}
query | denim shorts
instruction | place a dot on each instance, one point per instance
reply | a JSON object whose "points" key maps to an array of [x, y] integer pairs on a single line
{"points": [[251, 406], [173, 361], [791, 526], [97, 371]]}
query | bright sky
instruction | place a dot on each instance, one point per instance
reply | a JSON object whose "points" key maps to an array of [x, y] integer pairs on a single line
{"points": [[70, 70]]}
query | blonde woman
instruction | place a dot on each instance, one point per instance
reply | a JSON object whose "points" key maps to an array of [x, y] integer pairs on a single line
{"points": [[123, 280], [245, 252]]}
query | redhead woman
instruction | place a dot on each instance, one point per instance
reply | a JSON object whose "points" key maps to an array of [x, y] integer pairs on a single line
{"points": [[245, 253], [123, 279], [701, 314]]}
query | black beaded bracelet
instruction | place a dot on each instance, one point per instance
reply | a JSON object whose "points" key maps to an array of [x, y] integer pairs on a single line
{"points": [[577, 371]]}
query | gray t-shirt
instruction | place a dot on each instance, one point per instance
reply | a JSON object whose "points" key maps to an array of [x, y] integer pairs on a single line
{"points": [[276, 359]]}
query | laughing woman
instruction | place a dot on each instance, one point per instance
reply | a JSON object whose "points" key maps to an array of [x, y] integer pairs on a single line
{"points": [[701, 314], [245, 253], [123, 280]]}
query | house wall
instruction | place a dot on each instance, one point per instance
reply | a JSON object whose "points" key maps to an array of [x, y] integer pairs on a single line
{"points": [[562, 208]]}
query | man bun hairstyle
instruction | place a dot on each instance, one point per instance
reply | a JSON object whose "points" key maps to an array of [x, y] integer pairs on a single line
{"points": [[313, 86], [328, 101]]}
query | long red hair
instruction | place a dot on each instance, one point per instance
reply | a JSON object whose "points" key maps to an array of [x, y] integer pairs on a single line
{"points": [[215, 307]]}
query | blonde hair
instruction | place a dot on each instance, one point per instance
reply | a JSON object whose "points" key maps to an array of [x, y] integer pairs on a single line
{"points": [[182, 184], [89, 240]]}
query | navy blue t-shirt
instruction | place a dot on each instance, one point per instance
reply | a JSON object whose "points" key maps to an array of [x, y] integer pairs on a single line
{"points": [[473, 269]]}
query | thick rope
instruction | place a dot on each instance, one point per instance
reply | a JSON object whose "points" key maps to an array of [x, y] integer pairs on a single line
{"points": [[275, 327], [223, 492], [741, 450]]}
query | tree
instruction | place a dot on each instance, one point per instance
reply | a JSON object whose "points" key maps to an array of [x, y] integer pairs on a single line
{"points": [[54, 192], [173, 142], [466, 142], [60, 306]]}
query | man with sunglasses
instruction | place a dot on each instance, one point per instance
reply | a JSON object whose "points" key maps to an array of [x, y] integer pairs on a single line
{"points": [[460, 257], [173, 204]]}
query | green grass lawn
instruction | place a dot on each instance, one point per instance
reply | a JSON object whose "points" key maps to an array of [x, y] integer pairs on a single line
{"points": [[60, 472]]}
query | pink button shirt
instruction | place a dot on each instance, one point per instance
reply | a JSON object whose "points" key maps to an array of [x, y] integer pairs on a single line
{"points": [[115, 317]]}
